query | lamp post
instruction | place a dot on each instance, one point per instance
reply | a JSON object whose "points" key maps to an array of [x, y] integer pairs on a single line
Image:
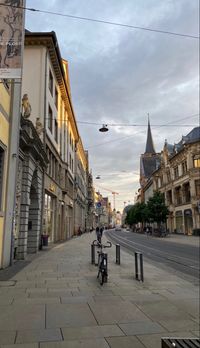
{"points": [[104, 128]]}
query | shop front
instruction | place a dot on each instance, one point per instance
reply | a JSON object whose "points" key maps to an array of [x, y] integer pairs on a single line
{"points": [[49, 216], [179, 222], [188, 221]]}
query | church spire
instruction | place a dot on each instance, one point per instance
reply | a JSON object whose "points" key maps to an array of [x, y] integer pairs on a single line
{"points": [[149, 144]]}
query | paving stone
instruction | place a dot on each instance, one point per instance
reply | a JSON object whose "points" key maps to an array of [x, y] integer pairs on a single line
{"points": [[142, 298], [163, 310], [36, 290], [68, 315], [46, 295], [76, 299], [60, 292], [110, 313], [180, 324], [28, 336], [31, 345], [16, 317], [25, 284], [124, 342], [4, 283], [37, 300], [12, 291], [92, 343], [196, 333], [91, 332], [5, 300], [7, 337], [141, 327], [191, 306], [109, 299]]}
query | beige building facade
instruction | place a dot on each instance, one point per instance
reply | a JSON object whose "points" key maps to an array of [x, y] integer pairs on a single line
{"points": [[178, 177], [5, 120]]}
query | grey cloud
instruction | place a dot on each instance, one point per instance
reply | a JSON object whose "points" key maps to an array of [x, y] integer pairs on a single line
{"points": [[119, 75]]}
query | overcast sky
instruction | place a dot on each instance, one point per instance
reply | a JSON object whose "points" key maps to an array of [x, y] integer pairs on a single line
{"points": [[119, 75]]}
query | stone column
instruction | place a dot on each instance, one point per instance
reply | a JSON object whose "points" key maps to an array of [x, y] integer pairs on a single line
{"points": [[28, 169]]}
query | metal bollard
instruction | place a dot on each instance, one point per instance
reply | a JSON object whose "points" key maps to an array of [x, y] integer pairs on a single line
{"points": [[141, 268], [136, 266], [92, 254], [139, 275], [117, 254]]}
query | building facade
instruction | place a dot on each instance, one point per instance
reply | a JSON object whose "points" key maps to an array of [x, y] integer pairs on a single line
{"points": [[81, 165], [5, 120], [178, 177], [64, 192], [32, 164]]}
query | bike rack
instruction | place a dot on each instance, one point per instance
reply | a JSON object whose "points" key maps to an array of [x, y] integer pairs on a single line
{"points": [[139, 275], [117, 254]]}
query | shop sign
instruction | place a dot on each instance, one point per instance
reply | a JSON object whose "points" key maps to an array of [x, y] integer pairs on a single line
{"points": [[11, 38]]}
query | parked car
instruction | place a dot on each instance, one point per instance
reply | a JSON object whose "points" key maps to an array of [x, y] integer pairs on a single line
{"points": [[118, 228]]}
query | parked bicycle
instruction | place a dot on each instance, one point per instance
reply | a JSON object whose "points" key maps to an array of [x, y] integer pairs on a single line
{"points": [[103, 262]]}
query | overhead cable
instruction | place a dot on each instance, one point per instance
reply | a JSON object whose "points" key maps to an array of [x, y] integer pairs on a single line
{"points": [[105, 22]]}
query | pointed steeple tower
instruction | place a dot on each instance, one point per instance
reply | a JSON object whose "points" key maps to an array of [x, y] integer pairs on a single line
{"points": [[149, 144]]}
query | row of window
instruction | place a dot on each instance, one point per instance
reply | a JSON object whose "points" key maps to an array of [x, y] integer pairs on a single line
{"points": [[177, 171], [182, 194], [52, 122]]}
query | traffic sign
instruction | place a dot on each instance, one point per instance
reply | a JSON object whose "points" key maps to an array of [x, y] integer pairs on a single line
{"points": [[98, 204]]}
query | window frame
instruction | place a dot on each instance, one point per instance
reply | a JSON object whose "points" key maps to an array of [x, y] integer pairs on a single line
{"points": [[56, 130], [50, 82], [50, 119]]}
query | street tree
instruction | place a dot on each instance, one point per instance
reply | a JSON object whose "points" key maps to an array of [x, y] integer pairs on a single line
{"points": [[157, 211]]}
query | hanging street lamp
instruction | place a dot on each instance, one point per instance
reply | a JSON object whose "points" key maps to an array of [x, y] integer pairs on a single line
{"points": [[104, 128]]}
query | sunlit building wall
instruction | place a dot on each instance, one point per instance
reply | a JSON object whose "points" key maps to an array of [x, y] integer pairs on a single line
{"points": [[5, 119], [46, 81]]}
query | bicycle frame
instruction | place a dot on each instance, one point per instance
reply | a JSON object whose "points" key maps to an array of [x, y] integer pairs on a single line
{"points": [[103, 263]]}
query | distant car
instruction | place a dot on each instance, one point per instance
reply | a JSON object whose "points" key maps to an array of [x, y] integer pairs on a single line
{"points": [[118, 228], [127, 229]]}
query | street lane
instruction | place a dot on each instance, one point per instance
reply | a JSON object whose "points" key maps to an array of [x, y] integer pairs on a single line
{"points": [[178, 257]]}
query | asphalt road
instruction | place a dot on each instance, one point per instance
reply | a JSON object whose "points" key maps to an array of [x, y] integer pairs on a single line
{"points": [[182, 259]]}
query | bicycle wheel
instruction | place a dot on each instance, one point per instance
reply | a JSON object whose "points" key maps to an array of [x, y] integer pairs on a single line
{"points": [[102, 277]]}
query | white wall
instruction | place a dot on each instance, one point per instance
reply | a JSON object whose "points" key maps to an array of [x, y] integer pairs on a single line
{"points": [[33, 79]]}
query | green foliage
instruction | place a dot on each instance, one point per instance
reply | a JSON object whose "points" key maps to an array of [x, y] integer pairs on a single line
{"points": [[155, 211], [138, 213]]}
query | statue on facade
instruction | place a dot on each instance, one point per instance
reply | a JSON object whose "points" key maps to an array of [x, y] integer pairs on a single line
{"points": [[26, 106], [39, 126]]}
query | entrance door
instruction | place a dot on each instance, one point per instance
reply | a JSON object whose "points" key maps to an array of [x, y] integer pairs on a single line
{"points": [[33, 222]]}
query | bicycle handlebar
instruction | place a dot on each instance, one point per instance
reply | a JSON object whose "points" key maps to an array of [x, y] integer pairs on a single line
{"points": [[109, 244]]}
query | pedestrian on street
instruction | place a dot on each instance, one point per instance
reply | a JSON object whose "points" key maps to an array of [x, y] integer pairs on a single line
{"points": [[101, 231], [98, 233]]}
